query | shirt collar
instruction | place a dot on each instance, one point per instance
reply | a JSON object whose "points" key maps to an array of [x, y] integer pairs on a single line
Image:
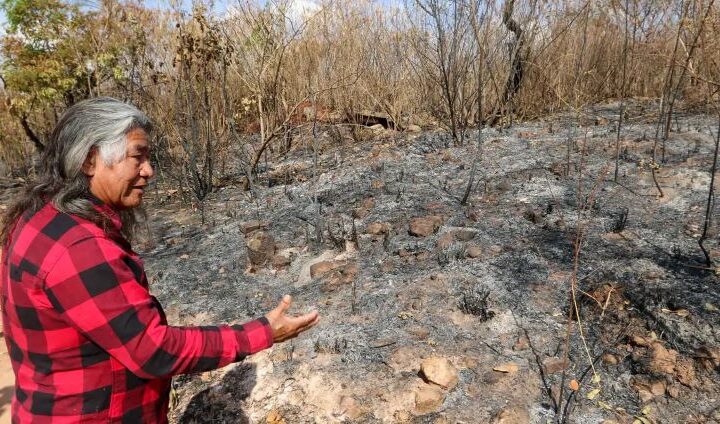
{"points": [[108, 211]]}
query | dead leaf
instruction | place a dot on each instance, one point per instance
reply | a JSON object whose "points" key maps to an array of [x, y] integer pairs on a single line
{"points": [[680, 312], [604, 405], [508, 367], [574, 385], [596, 379], [592, 394]]}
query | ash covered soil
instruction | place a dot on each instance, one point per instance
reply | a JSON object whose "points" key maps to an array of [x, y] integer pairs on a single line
{"points": [[435, 312]]}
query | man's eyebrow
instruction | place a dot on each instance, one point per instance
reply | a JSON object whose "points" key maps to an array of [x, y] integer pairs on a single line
{"points": [[139, 149]]}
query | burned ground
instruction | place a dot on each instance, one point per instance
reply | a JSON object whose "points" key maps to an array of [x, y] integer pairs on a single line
{"points": [[485, 285], [402, 273]]}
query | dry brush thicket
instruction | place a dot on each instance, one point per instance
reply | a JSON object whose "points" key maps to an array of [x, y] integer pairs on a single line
{"points": [[247, 83]]}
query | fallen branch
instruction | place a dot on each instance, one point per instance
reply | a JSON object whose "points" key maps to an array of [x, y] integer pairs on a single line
{"points": [[280, 128]]}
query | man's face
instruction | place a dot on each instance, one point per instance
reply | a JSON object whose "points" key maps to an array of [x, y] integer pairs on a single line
{"points": [[123, 183]]}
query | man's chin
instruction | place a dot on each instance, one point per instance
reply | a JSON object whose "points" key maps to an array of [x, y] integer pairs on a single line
{"points": [[132, 202]]}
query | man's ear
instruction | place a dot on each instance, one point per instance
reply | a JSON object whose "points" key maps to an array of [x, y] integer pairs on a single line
{"points": [[88, 166]]}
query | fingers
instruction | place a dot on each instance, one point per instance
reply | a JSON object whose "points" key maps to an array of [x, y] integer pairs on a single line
{"points": [[296, 331], [297, 325], [309, 325], [285, 303], [303, 320], [283, 306], [285, 327]]}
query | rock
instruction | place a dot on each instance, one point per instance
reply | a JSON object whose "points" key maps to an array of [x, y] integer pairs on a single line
{"points": [[402, 417], [387, 266], [377, 128], [464, 234], [709, 357], [657, 388], [413, 128], [439, 371], [512, 415], [280, 261], [610, 359], [533, 216], [554, 365], [473, 215], [350, 408], [336, 274], [281, 353], [377, 228], [424, 226], [496, 249], [472, 251], [555, 392], [250, 226], [489, 378], [274, 417], [420, 333], [360, 213], [343, 274], [508, 367], [685, 372], [422, 256], [653, 274], [445, 241], [641, 341], [522, 343], [674, 391], [428, 399], [377, 184], [323, 267], [663, 360], [261, 248], [468, 362], [647, 389], [244, 183], [503, 186], [368, 203]]}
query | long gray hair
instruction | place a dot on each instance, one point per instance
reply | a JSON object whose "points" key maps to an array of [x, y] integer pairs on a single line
{"points": [[100, 123]]}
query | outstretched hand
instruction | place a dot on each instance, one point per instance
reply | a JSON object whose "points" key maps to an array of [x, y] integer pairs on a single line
{"points": [[286, 327]]}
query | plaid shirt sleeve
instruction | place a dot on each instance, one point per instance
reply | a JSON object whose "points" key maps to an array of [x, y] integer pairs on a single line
{"points": [[97, 288]]}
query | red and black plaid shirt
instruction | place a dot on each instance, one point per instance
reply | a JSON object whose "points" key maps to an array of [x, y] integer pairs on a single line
{"points": [[88, 342]]}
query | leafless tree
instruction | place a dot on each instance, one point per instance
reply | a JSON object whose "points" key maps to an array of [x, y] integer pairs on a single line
{"points": [[446, 51], [622, 89], [517, 60], [709, 206], [480, 37]]}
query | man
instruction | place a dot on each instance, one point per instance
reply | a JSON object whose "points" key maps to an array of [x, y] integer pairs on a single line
{"points": [[87, 341]]}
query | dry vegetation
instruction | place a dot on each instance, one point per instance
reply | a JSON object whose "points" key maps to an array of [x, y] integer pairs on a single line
{"points": [[254, 96], [209, 82]]}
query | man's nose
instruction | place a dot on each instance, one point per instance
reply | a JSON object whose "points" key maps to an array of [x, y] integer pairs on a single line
{"points": [[147, 170]]}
